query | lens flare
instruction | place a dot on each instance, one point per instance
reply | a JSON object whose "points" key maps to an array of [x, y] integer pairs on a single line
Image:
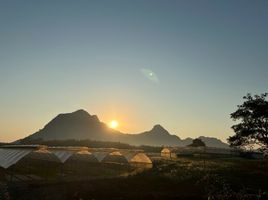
{"points": [[150, 75]]}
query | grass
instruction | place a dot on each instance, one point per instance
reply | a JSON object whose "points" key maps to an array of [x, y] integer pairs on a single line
{"points": [[183, 178]]}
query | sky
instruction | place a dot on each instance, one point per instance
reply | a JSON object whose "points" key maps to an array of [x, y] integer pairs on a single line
{"points": [[61, 56]]}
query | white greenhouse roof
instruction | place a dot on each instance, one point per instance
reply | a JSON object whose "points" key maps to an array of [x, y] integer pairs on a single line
{"points": [[63, 155], [100, 155], [137, 157], [10, 155]]}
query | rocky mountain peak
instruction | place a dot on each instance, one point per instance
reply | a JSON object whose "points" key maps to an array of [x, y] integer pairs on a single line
{"points": [[158, 129]]}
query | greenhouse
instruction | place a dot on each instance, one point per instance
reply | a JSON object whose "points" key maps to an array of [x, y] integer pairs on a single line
{"points": [[12, 154]]}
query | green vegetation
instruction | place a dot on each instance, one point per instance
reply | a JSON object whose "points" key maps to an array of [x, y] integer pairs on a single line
{"points": [[90, 144], [184, 178], [197, 143], [252, 128], [1, 144]]}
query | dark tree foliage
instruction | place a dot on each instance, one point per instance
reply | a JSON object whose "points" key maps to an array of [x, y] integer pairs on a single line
{"points": [[2, 144], [90, 144], [197, 143], [252, 128]]}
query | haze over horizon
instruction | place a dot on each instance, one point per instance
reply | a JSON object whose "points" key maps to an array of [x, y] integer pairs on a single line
{"points": [[183, 64]]}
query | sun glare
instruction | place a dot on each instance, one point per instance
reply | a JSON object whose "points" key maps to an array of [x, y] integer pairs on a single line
{"points": [[114, 124]]}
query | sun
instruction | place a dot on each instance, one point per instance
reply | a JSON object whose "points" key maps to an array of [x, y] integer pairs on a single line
{"points": [[113, 124]]}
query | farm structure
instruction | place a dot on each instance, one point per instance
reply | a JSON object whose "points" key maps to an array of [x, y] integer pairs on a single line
{"points": [[190, 151], [12, 154]]}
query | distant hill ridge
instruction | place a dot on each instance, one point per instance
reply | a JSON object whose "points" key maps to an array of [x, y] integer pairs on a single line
{"points": [[80, 125]]}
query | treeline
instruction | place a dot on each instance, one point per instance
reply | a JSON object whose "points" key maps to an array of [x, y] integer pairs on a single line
{"points": [[1, 144], [90, 144]]}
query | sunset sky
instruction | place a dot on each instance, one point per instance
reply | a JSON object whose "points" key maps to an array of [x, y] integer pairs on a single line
{"points": [[183, 64]]}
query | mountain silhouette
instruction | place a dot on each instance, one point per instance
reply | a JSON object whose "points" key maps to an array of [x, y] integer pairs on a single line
{"points": [[213, 142], [80, 125], [157, 136]]}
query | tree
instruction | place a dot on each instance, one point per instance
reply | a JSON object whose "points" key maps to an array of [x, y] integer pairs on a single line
{"points": [[197, 143], [252, 128]]}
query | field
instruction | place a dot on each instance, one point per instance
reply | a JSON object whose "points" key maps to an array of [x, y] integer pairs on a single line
{"points": [[183, 178]]}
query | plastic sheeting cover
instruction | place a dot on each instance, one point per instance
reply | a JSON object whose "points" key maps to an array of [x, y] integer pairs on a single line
{"points": [[43, 154], [100, 155], [84, 156], [115, 157], [63, 155], [10, 157], [133, 157]]}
